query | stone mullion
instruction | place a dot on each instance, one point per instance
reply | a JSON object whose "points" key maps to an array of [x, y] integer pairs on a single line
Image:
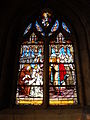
{"points": [[46, 73]]}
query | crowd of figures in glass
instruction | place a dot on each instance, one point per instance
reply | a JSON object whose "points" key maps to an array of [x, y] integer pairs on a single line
{"points": [[30, 82], [62, 78]]}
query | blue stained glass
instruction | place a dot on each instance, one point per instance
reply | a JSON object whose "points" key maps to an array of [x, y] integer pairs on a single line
{"points": [[33, 54], [28, 28], [51, 76], [23, 53], [55, 26], [39, 52], [53, 52], [68, 52], [65, 27], [29, 53], [26, 52], [38, 27], [49, 34], [62, 51], [32, 65]]}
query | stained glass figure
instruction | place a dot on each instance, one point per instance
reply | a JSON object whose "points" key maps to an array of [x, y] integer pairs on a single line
{"points": [[31, 53], [30, 75], [28, 28], [46, 19], [62, 84], [61, 53], [30, 84], [65, 27], [62, 78]]}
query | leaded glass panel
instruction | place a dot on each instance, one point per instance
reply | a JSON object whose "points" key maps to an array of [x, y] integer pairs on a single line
{"points": [[62, 77], [30, 73]]}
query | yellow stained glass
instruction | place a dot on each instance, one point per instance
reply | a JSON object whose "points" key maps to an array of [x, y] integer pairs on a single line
{"points": [[64, 102], [32, 102]]}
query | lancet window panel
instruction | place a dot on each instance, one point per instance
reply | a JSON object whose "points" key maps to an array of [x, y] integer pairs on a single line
{"points": [[62, 75], [30, 73]]}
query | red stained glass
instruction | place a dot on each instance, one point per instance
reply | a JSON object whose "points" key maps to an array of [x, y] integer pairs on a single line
{"points": [[62, 78]]}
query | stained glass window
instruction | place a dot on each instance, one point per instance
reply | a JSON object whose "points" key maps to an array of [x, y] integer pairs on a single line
{"points": [[62, 77], [30, 73], [61, 64]]}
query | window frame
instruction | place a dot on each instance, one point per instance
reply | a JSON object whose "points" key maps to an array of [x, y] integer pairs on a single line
{"points": [[46, 69]]}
